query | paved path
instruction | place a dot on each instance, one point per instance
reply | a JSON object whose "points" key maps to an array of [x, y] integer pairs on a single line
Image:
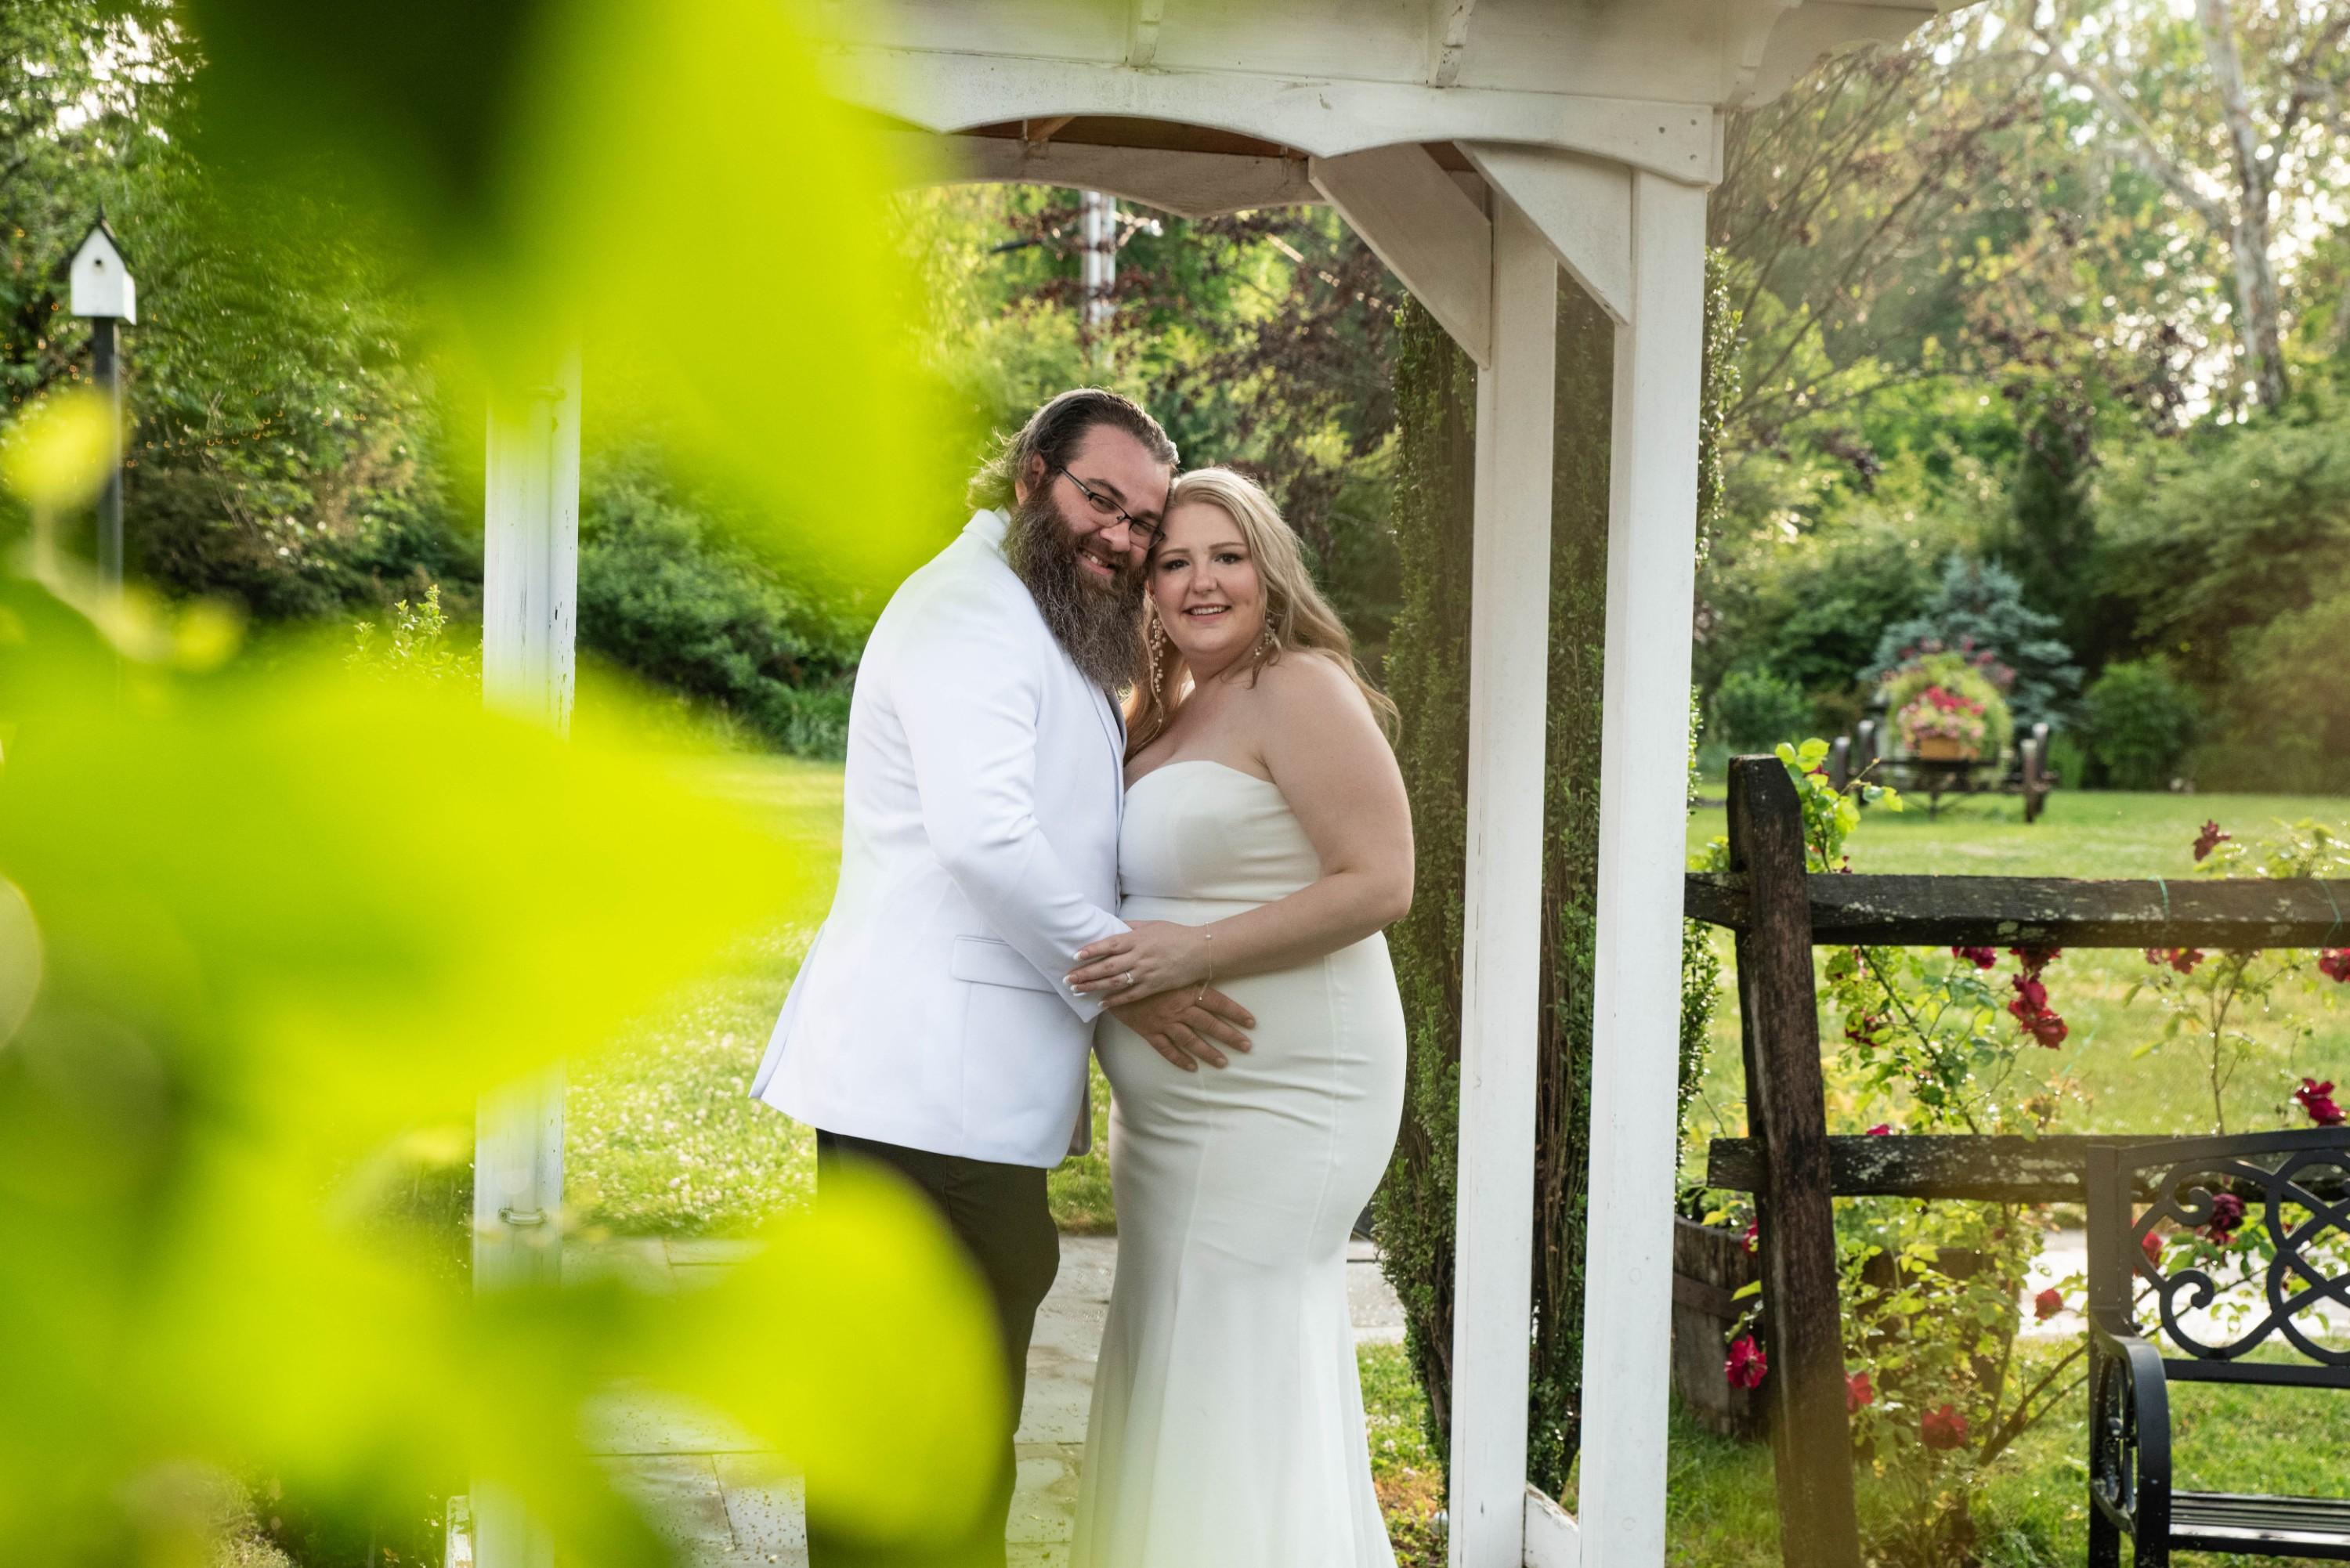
{"points": [[710, 1491]]}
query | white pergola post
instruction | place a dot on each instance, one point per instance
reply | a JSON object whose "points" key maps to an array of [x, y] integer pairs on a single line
{"points": [[530, 572], [1643, 793], [1509, 679]]}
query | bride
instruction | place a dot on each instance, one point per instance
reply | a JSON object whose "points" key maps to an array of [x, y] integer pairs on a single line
{"points": [[1266, 843]]}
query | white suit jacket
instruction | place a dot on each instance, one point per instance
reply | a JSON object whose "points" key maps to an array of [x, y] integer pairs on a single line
{"points": [[978, 853]]}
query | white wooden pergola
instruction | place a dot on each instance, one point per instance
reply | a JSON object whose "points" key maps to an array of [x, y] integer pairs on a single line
{"points": [[1477, 146]]}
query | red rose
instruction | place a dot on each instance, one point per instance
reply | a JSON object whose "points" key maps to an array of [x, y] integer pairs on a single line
{"points": [[2317, 1099], [2227, 1214], [1747, 1366], [2333, 963], [1857, 1392], [2048, 1304], [1982, 958], [2210, 839], [2151, 1245], [1942, 1428], [1882, 1129], [2183, 959]]}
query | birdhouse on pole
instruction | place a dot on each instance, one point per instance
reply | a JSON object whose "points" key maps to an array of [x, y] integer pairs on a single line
{"points": [[101, 282]]}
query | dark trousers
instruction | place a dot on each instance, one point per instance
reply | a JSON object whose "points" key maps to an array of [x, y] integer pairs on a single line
{"points": [[1000, 1214]]}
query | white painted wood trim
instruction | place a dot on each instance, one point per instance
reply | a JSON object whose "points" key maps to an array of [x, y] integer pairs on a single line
{"points": [[530, 572], [1509, 679], [1582, 207], [942, 90], [1431, 235], [1651, 571], [1189, 184], [530, 553], [1553, 1538]]}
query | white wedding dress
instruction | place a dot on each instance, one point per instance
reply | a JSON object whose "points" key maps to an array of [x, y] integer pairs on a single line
{"points": [[1227, 1426]]}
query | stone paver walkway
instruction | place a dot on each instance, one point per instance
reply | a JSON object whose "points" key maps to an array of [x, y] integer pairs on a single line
{"points": [[711, 1491]]}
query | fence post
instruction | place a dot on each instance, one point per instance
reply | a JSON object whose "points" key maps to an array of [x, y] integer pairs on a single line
{"points": [[1811, 1435]]}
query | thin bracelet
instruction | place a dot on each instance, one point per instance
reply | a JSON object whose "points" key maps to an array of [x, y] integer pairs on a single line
{"points": [[1211, 980]]}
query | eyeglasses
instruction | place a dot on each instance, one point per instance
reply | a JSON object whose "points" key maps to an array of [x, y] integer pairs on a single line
{"points": [[1111, 511]]}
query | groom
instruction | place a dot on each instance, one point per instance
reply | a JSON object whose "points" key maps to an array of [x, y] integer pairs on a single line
{"points": [[929, 1030]]}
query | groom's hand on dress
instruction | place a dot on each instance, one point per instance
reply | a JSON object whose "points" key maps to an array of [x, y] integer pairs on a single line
{"points": [[1185, 1028]]}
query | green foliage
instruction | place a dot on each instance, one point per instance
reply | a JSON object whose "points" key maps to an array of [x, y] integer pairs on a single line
{"points": [[417, 645], [666, 591], [1754, 710], [2282, 721], [2051, 542], [1427, 676], [2227, 529], [2138, 721]]}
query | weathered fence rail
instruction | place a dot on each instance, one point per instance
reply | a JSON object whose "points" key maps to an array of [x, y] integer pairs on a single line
{"points": [[1992, 1169], [2013, 911], [1779, 912]]}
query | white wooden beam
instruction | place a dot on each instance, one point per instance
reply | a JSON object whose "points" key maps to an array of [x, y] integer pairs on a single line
{"points": [[530, 574], [1142, 33], [1189, 184], [1509, 680], [1552, 1538], [1636, 982], [1431, 235], [943, 89], [1582, 207], [1448, 40]]}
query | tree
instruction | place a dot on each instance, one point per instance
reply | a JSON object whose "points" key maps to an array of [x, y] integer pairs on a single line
{"points": [[2242, 150]]}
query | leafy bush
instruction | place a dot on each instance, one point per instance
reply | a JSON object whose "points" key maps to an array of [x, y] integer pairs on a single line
{"points": [[2137, 720], [664, 593], [1980, 610], [2283, 725], [1958, 676], [1754, 710]]}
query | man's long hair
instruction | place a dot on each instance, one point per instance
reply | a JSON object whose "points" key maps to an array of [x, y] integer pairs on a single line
{"points": [[1054, 433]]}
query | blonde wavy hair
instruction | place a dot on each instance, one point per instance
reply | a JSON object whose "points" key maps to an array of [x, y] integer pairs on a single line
{"points": [[1297, 614]]}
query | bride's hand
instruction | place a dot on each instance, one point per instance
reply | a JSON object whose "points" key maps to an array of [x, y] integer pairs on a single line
{"points": [[1156, 956]]}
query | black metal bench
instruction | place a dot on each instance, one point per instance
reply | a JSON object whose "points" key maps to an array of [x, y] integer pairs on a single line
{"points": [[2298, 1185]]}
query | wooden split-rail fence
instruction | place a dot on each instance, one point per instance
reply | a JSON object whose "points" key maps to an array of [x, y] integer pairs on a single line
{"points": [[1779, 912]]}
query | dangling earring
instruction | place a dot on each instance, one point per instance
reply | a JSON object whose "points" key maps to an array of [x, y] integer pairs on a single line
{"points": [[1267, 645], [1154, 643]]}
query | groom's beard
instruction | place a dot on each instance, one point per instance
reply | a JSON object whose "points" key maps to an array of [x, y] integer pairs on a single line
{"points": [[1099, 624]]}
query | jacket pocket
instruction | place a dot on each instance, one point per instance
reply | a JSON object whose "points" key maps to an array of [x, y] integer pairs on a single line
{"points": [[987, 962]]}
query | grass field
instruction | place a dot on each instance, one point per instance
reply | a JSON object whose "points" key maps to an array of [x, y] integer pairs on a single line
{"points": [[663, 1139]]}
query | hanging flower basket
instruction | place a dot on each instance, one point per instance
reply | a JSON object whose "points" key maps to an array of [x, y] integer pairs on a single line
{"points": [[1942, 725]]}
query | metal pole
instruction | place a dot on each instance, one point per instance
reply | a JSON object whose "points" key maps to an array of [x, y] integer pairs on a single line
{"points": [[108, 374]]}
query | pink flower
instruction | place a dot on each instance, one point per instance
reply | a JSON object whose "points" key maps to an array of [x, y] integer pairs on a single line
{"points": [[2333, 963], [1982, 958], [1942, 1428], [1858, 1391], [1747, 1366], [1882, 1129], [2317, 1099], [2210, 839], [2048, 1304], [2227, 1214], [2183, 959], [2151, 1245]]}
